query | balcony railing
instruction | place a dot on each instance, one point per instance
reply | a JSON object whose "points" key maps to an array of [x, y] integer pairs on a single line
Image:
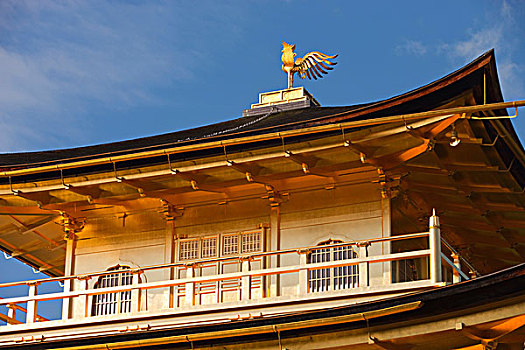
{"points": [[349, 276]]}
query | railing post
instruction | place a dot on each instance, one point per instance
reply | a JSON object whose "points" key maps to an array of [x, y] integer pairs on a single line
{"points": [[434, 239], [246, 281], [31, 304], [66, 302], [456, 278], [364, 276], [303, 286], [11, 311], [135, 292], [84, 299], [189, 299]]}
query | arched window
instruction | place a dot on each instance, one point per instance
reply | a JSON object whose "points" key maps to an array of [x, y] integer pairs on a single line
{"points": [[112, 303], [334, 278]]}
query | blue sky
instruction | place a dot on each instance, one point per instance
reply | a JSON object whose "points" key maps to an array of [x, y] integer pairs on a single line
{"points": [[75, 73]]}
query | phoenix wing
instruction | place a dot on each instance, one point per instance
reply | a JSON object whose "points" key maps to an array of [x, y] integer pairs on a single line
{"points": [[314, 64]]}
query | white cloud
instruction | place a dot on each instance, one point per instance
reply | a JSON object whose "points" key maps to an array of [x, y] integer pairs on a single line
{"points": [[500, 34], [411, 47], [506, 12], [498, 31], [511, 75], [478, 42], [58, 59], [23, 83]]}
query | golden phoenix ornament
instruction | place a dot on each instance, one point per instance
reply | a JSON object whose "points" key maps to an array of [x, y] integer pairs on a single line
{"points": [[310, 66]]}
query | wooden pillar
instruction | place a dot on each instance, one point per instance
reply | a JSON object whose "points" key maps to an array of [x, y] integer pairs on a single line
{"points": [[170, 213], [275, 244], [32, 304], [386, 231], [71, 227], [246, 281], [435, 248], [303, 285], [264, 260], [169, 258], [69, 270], [364, 274]]}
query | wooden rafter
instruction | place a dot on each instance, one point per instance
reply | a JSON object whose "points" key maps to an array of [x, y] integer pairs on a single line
{"points": [[249, 170], [43, 237], [24, 228], [198, 182]]}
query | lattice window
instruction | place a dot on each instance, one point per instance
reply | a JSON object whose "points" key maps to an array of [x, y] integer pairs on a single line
{"points": [[251, 241], [189, 249], [334, 278], [112, 303], [230, 244], [209, 247], [244, 242], [192, 249]]}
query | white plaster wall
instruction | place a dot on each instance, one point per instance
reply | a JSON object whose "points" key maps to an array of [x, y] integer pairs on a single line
{"points": [[305, 218], [222, 218], [137, 240], [349, 213]]}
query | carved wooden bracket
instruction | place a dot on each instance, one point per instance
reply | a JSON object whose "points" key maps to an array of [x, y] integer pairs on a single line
{"points": [[274, 196], [71, 225], [170, 211]]}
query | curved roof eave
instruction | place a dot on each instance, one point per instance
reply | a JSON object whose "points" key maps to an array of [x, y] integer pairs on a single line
{"points": [[424, 98]]}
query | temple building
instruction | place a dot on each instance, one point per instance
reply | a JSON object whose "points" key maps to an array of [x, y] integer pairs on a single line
{"points": [[397, 224]]}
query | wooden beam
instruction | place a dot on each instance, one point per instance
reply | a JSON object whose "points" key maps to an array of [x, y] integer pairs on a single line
{"points": [[466, 189], [363, 153], [306, 162], [393, 160], [26, 228], [464, 167], [419, 168], [134, 185], [494, 217], [197, 182], [9, 320], [89, 193], [249, 170], [30, 259], [39, 198], [26, 211], [37, 233]]}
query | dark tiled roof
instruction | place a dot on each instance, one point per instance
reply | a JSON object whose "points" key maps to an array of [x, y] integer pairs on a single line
{"points": [[422, 99], [217, 131]]}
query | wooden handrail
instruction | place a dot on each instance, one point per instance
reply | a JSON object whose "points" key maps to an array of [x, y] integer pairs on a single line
{"points": [[12, 320], [454, 251], [454, 267], [216, 260], [243, 278], [220, 277]]}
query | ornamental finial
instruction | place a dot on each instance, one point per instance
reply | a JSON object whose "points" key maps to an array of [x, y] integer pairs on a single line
{"points": [[310, 66]]}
